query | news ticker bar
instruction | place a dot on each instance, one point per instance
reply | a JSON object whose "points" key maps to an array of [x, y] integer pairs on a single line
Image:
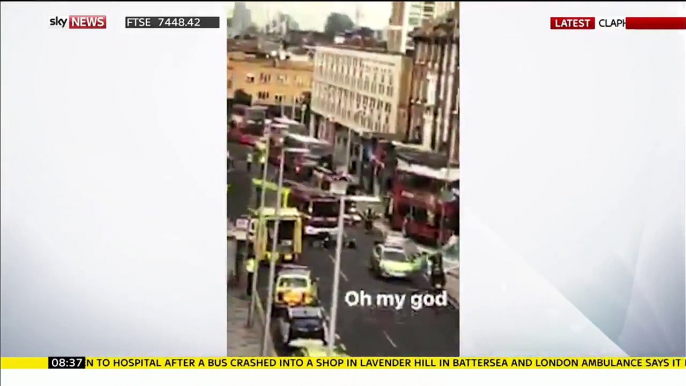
{"points": [[340, 363], [181, 22], [631, 23]]}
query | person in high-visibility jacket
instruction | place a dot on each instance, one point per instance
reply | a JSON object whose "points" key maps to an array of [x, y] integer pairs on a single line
{"points": [[248, 162], [263, 158], [250, 265]]}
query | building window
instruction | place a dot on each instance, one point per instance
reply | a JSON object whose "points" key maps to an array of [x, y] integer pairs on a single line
{"points": [[282, 79], [278, 98], [250, 78], [230, 82], [265, 78], [263, 95], [389, 91], [299, 81]]}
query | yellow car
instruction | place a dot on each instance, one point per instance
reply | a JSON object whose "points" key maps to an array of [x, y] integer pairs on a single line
{"points": [[294, 287], [315, 348]]}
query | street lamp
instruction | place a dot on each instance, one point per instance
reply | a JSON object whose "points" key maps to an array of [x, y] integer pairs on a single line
{"points": [[275, 238], [253, 297], [336, 277]]}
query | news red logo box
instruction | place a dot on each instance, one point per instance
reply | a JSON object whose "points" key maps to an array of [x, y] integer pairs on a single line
{"points": [[80, 22], [572, 23]]}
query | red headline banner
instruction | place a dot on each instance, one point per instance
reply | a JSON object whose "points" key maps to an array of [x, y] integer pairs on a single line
{"points": [[656, 23], [634, 23]]}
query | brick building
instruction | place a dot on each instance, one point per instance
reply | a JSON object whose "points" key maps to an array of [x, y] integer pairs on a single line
{"points": [[434, 96], [269, 82]]}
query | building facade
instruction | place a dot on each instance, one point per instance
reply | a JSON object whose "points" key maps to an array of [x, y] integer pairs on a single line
{"points": [[406, 16], [359, 92], [269, 82], [434, 95]]}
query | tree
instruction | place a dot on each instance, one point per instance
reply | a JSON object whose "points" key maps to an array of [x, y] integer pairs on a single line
{"points": [[252, 29], [290, 22], [337, 23], [240, 97], [307, 113]]}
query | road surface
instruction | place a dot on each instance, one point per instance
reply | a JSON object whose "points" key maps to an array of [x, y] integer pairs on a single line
{"points": [[369, 331]]}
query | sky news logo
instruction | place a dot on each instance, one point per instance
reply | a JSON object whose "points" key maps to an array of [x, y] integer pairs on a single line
{"points": [[79, 22]]}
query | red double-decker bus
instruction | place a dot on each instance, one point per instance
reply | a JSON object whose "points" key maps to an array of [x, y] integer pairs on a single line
{"points": [[423, 196], [247, 124]]}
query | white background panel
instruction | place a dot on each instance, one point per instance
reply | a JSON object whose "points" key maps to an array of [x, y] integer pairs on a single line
{"points": [[113, 183], [572, 158]]}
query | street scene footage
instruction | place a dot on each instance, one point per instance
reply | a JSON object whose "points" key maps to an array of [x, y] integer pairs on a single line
{"points": [[343, 181]]}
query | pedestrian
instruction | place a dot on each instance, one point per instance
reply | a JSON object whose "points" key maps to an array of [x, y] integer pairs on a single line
{"points": [[263, 159], [406, 220], [248, 162], [250, 269], [437, 274], [369, 220]]}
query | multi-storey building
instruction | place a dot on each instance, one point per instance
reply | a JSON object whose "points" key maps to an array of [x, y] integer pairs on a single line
{"points": [[242, 18], [406, 16], [359, 92], [434, 96], [269, 81]]}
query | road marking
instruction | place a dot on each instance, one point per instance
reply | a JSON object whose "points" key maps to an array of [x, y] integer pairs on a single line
{"points": [[333, 259], [388, 338]]}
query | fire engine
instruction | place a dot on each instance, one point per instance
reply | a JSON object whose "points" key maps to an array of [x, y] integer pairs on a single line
{"points": [[319, 208]]}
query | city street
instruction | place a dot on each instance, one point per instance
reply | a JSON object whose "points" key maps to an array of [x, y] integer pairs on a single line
{"points": [[362, 331]]}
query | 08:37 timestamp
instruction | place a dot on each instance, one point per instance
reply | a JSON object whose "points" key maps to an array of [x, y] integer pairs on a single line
{"points": [[66, 363], [178, 22]]}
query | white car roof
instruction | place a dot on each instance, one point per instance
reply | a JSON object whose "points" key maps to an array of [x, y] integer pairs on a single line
{"points": [[305, 312], [393, 248], [395, 241], [294, 273]]}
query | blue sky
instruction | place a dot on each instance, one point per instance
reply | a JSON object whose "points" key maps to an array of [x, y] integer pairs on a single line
{"points": [[312, 15]]}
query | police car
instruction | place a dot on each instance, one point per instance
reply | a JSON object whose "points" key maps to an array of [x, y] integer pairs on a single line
{"points": [[395, 257]]}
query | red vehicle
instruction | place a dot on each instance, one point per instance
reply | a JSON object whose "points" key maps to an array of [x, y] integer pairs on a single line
{"points": [[247, 124], [417, 202], [319, 209], [300, 166]]}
